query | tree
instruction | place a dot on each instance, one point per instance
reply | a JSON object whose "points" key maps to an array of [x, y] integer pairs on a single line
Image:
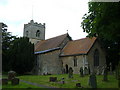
{"points": [[22, 55], [7, 39], [102, 21]]}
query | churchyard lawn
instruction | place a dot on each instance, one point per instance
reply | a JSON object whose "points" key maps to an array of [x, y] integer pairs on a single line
{"points": [[69, 82]]}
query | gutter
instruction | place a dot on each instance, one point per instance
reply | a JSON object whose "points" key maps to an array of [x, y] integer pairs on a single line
{"points": [[45, 51]]}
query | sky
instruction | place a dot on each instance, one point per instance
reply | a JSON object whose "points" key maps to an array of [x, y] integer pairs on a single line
{"points": [[58, 15]]}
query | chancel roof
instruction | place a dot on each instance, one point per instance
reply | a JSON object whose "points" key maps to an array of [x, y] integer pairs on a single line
{"points": [[78, 47]]}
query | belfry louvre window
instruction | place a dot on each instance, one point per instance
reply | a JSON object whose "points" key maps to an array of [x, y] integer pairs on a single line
{"points": [[75, 61], [38, 33], [96, 57]]}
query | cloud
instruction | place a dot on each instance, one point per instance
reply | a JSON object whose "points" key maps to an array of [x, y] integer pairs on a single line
{"points": [[59, 15]]}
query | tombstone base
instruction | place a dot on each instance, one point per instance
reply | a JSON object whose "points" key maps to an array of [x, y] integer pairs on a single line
{"points": [[53, 79], [15, 81], [4, 81]]}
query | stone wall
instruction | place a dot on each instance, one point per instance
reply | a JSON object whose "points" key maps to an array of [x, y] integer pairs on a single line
{"points": [[69, 60], [50, 63], [102, 56]]}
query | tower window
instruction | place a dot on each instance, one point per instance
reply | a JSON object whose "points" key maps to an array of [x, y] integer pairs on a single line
{"points": [[75, 61], [26, 33], [96, 57], [38, 33]]}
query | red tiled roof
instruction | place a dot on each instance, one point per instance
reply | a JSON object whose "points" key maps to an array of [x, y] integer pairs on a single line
{"points": [[50, 43], [81, 46]]}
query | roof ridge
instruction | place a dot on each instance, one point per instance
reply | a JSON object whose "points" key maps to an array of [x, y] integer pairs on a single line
{"points": [[56, 36], [84, 38]]}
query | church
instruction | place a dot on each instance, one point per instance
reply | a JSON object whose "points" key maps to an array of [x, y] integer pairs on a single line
{"points": [[56, 55]]}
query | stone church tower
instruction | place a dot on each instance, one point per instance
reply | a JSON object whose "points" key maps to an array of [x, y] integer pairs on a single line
{"points": [[34, 31]]}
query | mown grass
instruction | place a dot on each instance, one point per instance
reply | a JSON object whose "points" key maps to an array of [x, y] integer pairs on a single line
{"points": [[21, 85], [70, 83]]}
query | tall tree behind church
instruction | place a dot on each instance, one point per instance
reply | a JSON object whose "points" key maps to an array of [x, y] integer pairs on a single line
{"points": [[22, 55], [102, 21]]}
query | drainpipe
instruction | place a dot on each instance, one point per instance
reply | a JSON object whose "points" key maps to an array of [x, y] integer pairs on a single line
{"points": [[83, 64]]}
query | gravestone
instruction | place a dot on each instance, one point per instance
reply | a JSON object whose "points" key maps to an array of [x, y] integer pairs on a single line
{"points": [[11, 75], [63, 80], [70, 72], [78, 84], [53, 79], [81, 72], [93, 81], [4, 81], [86, 72], [105, 74], [15, 81]]}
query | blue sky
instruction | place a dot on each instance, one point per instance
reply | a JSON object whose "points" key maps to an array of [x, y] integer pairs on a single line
{"points": [[59, 16]]}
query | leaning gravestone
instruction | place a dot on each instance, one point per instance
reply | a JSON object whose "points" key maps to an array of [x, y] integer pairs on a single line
{"points": [[11, 75], [70, 72], [4, 81], [15, 81], [93, 81], [81, 72]]}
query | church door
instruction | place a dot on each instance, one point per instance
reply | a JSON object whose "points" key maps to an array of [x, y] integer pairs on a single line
{"points": [[66, 68]]}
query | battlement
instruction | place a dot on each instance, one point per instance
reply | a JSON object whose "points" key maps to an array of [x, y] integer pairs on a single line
{"points": [[35, 24]]}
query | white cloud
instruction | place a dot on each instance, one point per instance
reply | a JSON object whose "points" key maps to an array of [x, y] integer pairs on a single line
{"points": [[59, 15]]}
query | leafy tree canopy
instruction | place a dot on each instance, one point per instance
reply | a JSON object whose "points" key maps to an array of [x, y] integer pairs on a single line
{"points": [[102, 21]]}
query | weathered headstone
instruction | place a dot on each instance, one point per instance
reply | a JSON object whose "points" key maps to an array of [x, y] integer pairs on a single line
{"points": [[70, 72], [11, 75], [93, 81], [15, 81], [105, 74], [53, 79], [4, 81], [78, 84], [63, 80], [81, 72], [86, 72]]}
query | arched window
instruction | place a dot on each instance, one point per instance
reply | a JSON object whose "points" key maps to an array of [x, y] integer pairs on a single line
{"points": [[75, 61], [26, 33], [96, 57], [38, 33]]}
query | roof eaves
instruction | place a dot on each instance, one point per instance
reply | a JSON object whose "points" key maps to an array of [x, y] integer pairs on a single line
{"points": [[73, 55], [41, 52]]}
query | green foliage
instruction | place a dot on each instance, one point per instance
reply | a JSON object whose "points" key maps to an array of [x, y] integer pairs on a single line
{"points": [[7, 40], [102, 21], [21, 55], [21, 85]]}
